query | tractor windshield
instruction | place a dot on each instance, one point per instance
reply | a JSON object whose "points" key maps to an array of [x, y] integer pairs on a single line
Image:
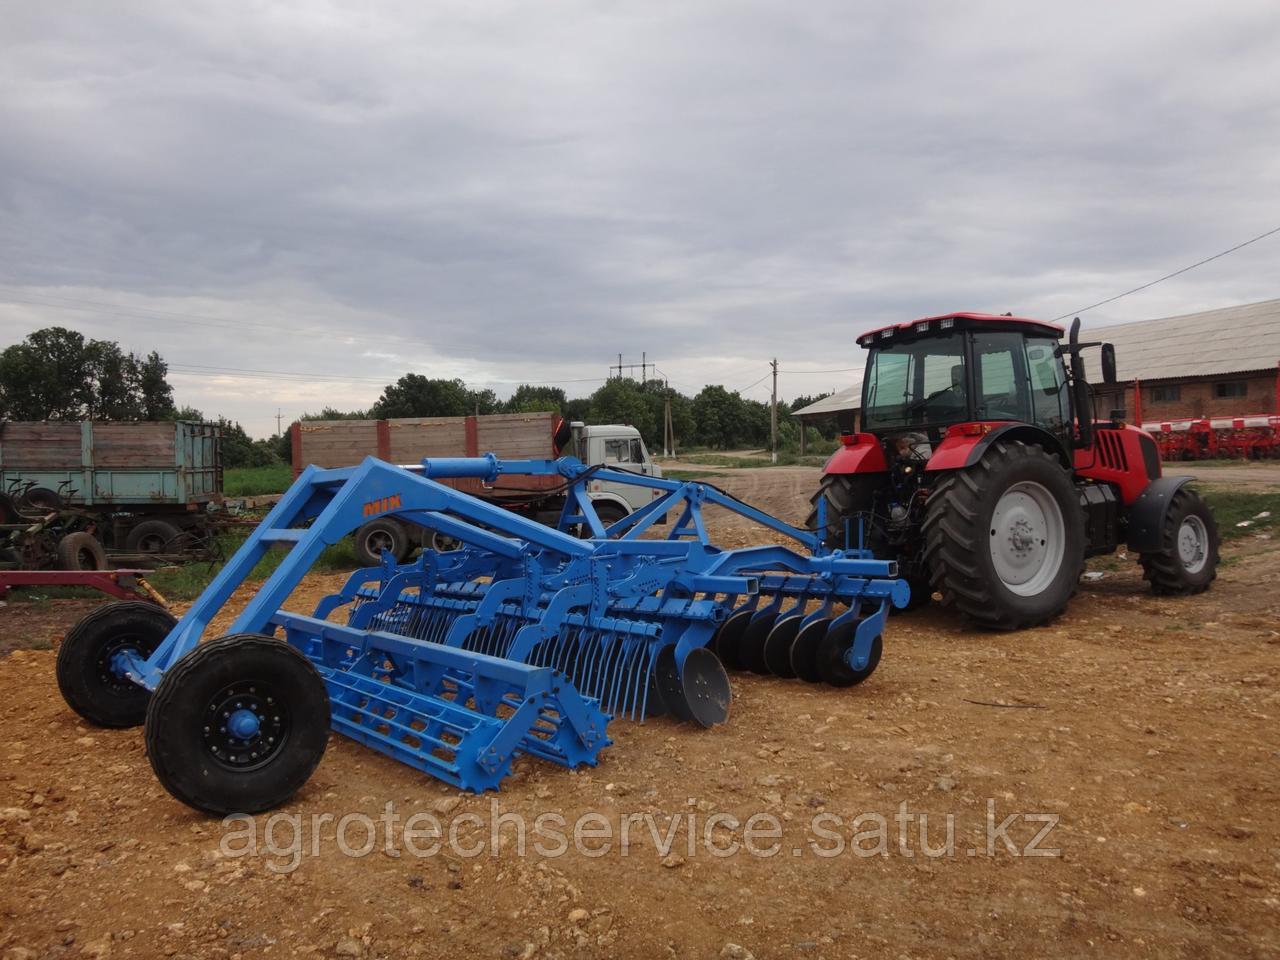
{"points": [[914, 384]]}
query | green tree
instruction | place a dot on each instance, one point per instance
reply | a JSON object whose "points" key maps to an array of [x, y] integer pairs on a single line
{"points": [[623, 400], [414, 395], [529, 398], [56, 374]]}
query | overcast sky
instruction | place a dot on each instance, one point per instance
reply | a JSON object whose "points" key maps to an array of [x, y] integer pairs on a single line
{"points": [[327, 196]]}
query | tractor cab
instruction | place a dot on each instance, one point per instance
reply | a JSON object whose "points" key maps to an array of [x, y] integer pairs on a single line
{"points": [[933, 374]]}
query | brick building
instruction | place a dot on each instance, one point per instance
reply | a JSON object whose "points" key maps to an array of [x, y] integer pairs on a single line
{"points": [[1219, 363]]}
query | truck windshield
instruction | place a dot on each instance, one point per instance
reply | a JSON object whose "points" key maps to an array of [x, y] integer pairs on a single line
{"points": [[912, 384]]}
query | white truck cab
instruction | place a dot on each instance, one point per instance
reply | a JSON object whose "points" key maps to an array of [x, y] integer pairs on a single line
{"points": [[617, 447]]}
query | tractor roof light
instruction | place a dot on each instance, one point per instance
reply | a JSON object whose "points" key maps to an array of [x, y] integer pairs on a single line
{"points": [[946, 323], [886, 333], [921, 326]]}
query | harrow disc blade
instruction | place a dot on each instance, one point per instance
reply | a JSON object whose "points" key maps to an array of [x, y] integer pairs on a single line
{"points": [[751, 646], [670, 689], [777, 646], [831, 654], [725, 643], [804, 651], [706, 687]]}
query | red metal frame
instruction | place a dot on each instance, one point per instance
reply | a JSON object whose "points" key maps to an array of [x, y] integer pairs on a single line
{"points": [[125, 584], [1053, 328]]}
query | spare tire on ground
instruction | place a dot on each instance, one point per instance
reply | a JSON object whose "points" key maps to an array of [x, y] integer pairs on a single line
{"points": [[81, 551]]}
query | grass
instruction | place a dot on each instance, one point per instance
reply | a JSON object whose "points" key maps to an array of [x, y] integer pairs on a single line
{"points": [[256, 481], [1232, 506]]}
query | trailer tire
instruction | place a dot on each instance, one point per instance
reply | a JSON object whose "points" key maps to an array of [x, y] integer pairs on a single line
{"points": [[268, 687], [375, 536], [83, 667], [81, 551], [1014, 514], [41, 500], [1187, 561], [151, 536]]}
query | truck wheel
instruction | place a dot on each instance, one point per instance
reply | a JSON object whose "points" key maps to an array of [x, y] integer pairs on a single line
{"points": [[1004, 539], [608, 512], [81, 551], [237, 725], [151, 536], [1187, 561], [87, 674], [378, 535]]}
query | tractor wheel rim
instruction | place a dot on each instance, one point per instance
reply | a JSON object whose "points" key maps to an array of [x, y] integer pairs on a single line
{"points": [[1193, 544], [1027, 538]]}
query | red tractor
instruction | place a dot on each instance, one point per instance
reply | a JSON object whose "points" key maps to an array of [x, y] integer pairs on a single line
{"points": [[982, 469]]}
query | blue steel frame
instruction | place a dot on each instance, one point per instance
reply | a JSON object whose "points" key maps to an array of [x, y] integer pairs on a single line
{"points": [[556, 579]]}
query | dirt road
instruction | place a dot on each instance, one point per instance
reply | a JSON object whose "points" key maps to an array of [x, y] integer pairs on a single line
{"points": [[1140, 731]]}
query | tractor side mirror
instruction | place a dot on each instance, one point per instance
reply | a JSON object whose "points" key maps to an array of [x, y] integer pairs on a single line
{"points": [[1108, 363]]}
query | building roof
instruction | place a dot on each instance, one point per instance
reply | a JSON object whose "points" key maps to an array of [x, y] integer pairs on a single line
{"points": [[1214, 342], [1226, 340], [849, 398]]}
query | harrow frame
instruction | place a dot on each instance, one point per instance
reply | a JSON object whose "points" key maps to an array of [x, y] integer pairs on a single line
{"points": [[528, 638]]}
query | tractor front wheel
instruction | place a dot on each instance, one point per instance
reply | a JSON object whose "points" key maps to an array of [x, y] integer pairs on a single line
{"points": [[1187, 561], [237, 725], [1004, 539]]}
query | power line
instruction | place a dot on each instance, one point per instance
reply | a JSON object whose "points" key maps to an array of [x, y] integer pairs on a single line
{"points": [[1169, 276], [757, 383]]}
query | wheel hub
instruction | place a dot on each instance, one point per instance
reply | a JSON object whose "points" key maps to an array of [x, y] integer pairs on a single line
{"points": [[1193, 540], [245, 725], [1027, 531]]}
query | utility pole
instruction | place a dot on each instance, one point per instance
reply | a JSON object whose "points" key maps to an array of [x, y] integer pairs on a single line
{"points": [[773, 415], [278, 418]]}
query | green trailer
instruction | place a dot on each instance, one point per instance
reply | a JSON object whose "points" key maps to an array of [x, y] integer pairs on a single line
{"points": [[136, 487]]}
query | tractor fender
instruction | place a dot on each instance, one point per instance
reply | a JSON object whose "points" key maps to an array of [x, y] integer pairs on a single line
{"points": [[858, 453], [1146, 514], [964, 444]]}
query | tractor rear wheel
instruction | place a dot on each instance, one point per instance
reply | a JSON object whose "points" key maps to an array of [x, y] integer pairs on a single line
{"points": [[1004, 538], [1187, 561], [847, 496]]}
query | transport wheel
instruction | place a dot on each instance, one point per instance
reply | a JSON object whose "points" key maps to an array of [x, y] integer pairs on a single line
{"points": [[89, 676], [832, 650], [1004, 539], [378, 535], [238, 724], [152, 536], [81, 551], [1187, 561]]}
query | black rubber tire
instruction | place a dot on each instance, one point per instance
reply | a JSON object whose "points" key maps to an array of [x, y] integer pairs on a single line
{"points": [[151, 536], [957, 538], [373, 536], [81, 551], [1164, 570], [42, 500], [608, 512], [177, 717], [90, 692], [846, 494]]}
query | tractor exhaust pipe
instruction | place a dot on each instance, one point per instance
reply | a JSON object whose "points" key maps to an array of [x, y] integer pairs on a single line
{"points": [[1083, 400]]}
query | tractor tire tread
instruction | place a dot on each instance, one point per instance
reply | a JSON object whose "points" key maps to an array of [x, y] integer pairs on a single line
{"points": [[1163, 569]]}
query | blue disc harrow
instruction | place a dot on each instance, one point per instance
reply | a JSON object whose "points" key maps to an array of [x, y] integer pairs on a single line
{"points": [[525, 640]]}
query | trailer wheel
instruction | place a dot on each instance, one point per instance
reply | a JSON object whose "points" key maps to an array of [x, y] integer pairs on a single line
{"points": [[237, 725], [81, 551], [1187, 561], [375, 536], [1004, 539], [151, 536], [89, 677]]}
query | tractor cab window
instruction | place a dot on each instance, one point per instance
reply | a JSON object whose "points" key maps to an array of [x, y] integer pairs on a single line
{"points": [[1049, 399], [1001, 376], [915, 384]]}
